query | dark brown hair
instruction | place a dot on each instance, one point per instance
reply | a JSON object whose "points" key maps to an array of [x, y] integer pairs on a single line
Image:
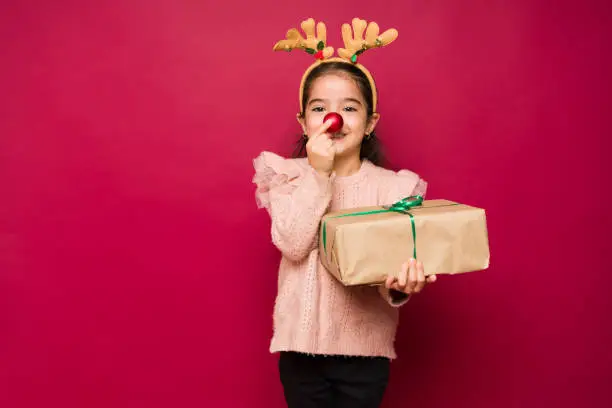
{"points": [[370, 146]]}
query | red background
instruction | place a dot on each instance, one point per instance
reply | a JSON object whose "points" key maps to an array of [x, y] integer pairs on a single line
{"points": [[126, 137]]}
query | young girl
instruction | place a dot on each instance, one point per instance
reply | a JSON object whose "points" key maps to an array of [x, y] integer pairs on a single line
{"points": [[335, 342]]}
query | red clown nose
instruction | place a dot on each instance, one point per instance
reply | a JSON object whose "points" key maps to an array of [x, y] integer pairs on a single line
{"points": [[337, 121]]}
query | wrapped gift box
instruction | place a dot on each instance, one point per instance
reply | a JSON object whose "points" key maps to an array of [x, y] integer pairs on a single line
{"points": [[362, 246]]}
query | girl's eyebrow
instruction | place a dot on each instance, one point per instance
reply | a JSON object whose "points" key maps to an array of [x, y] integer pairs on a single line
{"points": [[352, 100], [316, 100], [325, 100]]}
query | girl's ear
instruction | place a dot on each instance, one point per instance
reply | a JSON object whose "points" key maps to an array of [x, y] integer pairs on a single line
{"points": [[371, 125], [301, 120]]}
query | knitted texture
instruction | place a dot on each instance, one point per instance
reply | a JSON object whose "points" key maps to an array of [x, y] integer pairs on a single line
{"points": [[313, 312]]}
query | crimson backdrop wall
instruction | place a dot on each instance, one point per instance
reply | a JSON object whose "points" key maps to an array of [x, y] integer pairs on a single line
{"points": [[135, 270]]}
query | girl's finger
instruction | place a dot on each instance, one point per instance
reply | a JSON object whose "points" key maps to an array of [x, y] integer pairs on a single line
{"points": [[412, 276], [403, 276], [420, 277], [321, 130]]}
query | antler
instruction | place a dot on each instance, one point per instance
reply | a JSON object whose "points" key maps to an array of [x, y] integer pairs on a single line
{"points": [[312, 44], [357, 44]]}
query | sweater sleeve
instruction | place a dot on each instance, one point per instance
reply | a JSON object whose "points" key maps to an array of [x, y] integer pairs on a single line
{"points": [[393, 297], [296, 197], [395, 186]]}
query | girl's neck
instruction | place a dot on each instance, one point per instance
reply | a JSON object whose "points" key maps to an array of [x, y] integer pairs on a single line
{"points": [[347, 166]]}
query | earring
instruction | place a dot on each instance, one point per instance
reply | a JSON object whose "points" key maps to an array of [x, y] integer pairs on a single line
{"points": [[305, 136], [368, 135]]}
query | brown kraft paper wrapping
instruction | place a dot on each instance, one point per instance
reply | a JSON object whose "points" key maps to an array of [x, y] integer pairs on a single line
{"points": [[451, 238]]}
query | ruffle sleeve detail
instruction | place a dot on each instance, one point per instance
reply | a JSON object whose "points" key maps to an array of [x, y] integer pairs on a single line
{"points": [[273, 172], [402, 184]]}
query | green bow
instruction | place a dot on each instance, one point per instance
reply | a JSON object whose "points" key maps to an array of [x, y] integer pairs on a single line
{"points": [[407, 203], [401, 206]]}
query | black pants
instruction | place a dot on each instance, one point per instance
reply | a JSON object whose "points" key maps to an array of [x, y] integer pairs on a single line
{"points": [[333, 381]]}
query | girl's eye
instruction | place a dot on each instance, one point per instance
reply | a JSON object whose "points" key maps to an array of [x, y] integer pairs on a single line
{"points": [[346, 109]]}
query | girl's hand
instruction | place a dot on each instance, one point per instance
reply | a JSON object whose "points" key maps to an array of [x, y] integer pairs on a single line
{"points": [[321, 151], [411, 278]]}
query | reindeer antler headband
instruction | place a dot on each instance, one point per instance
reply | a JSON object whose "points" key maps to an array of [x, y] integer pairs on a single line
{"points": [[354, 45]]}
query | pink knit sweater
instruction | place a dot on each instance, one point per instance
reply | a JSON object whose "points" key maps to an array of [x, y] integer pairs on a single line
{"points": [[313, 312]]}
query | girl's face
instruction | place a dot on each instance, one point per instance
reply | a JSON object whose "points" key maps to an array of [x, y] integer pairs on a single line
{"points": [[340, 94]]}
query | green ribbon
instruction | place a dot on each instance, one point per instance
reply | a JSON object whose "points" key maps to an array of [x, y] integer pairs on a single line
{"points": [[402, 206]]}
